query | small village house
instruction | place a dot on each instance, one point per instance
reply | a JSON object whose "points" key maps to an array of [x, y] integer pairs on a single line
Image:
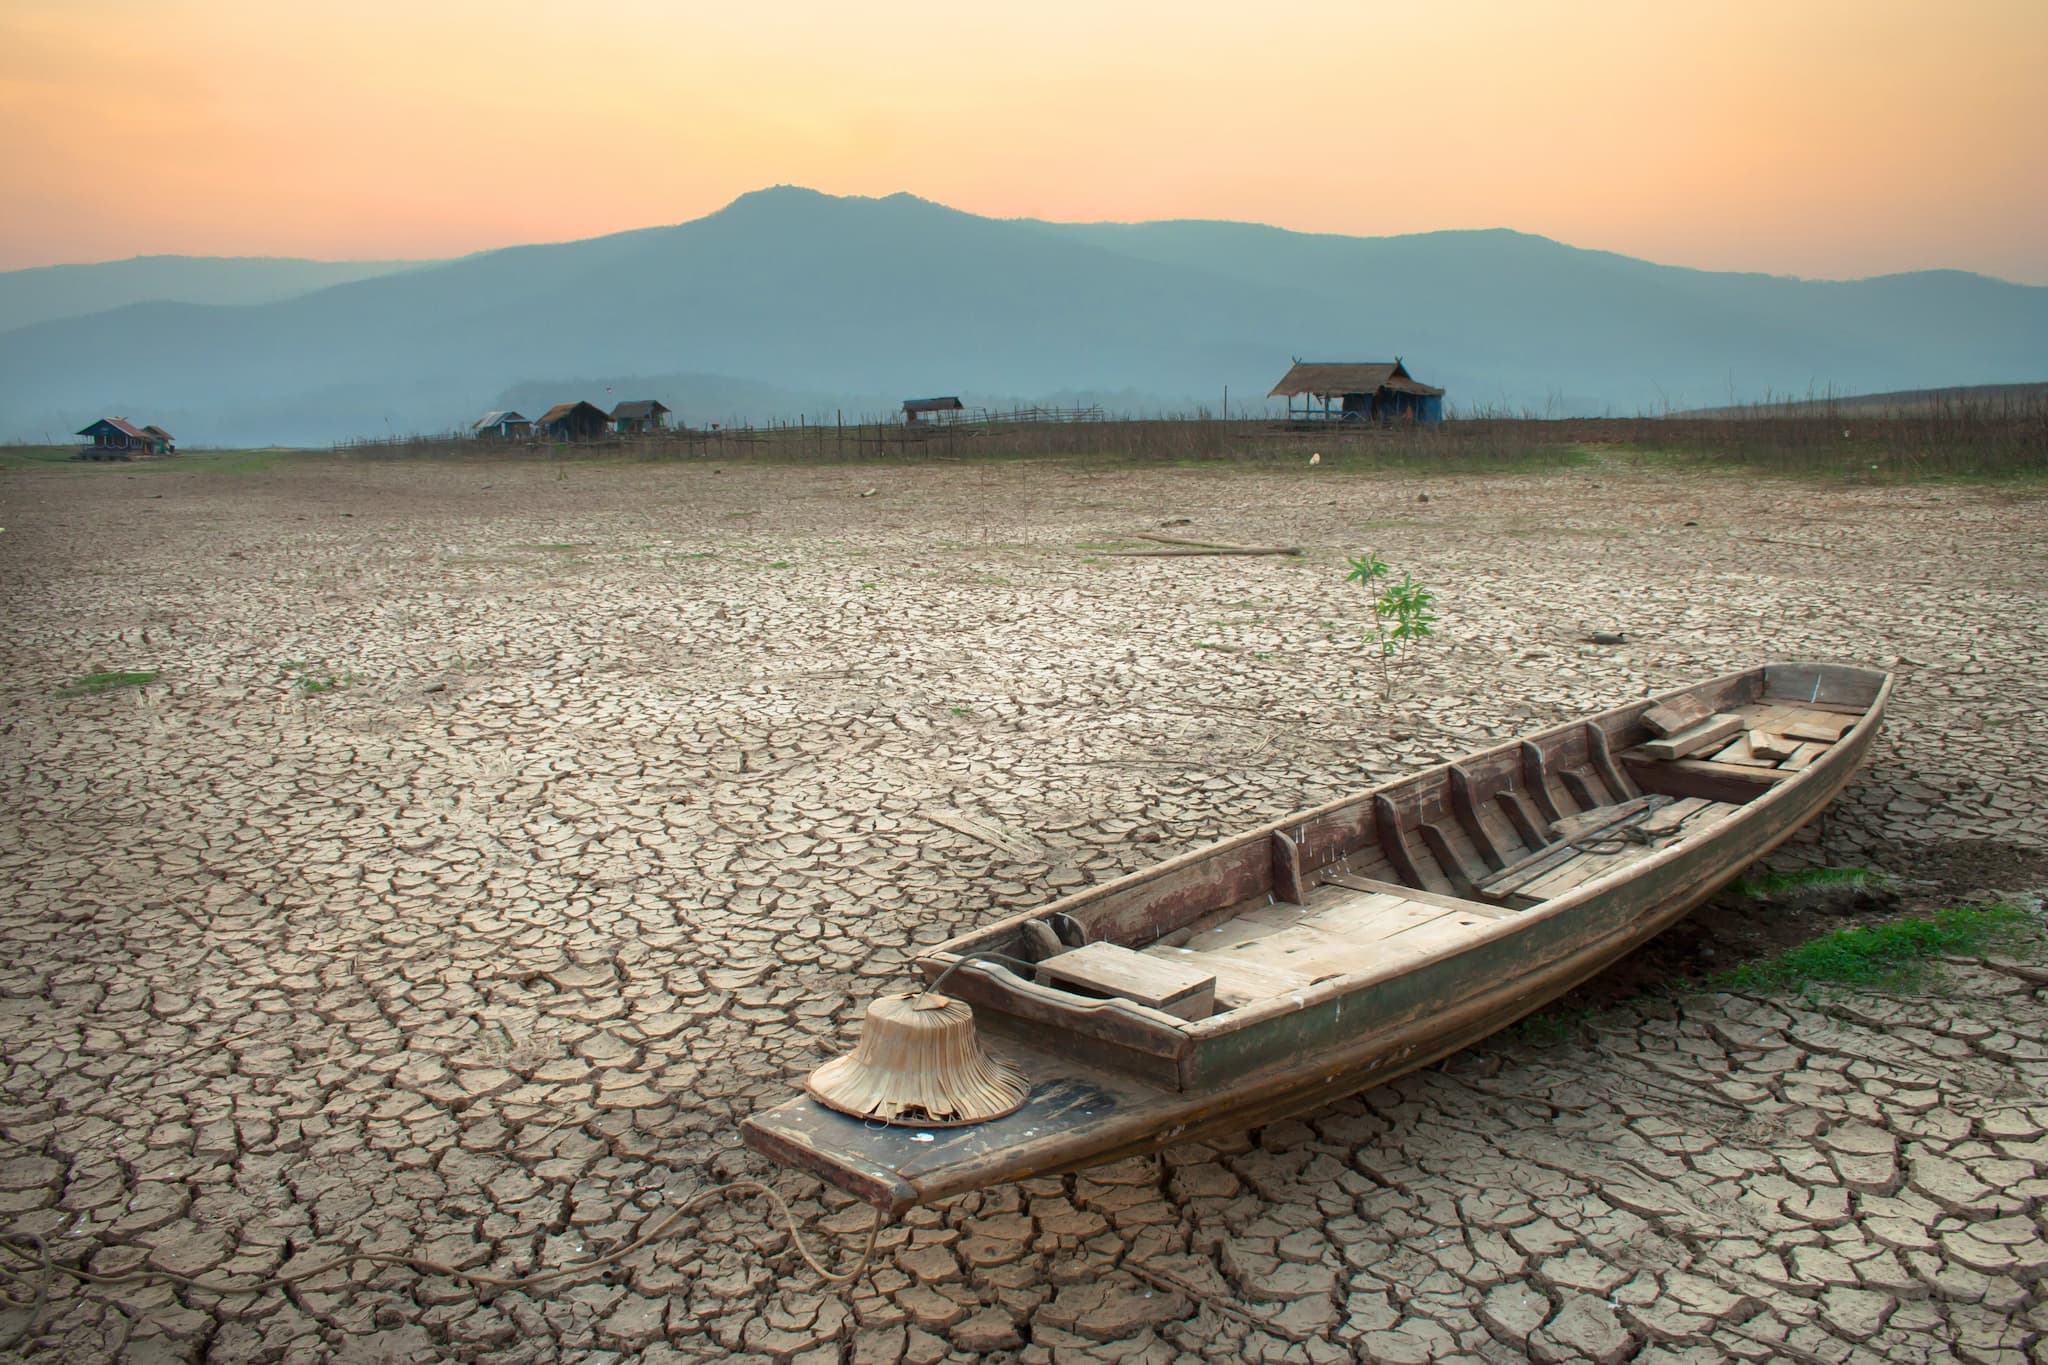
{"points": [[577, 421], [116, 438], [919, 409], [501, 426], [639, 416], [1372, 391]]}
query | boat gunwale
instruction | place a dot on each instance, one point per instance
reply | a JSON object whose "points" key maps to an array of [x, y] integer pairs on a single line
{"points": [[1747, 816], [1195, 1032]]}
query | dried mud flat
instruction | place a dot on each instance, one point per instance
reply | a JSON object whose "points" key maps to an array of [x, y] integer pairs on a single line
{"points": [[636, 782]]}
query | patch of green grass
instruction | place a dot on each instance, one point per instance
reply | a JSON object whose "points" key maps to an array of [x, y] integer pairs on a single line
{"points": [[1776, 885], [198, 461], [782, 564], [963, 710], [1890, 956], [553, 546], [88, 683], [30, 457]]}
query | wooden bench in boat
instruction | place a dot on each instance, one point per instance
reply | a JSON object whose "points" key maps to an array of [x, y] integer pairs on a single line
{"points": [[1114, 971]]}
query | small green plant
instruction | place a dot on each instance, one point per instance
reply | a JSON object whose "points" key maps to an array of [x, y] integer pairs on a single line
{"points": [[1402, 613], [1890, 956], [97, 681], [311, 677], [963, 711], [781, 564]]}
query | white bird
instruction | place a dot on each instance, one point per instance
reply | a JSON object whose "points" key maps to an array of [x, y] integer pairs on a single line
{"points": [[1316, 458]]}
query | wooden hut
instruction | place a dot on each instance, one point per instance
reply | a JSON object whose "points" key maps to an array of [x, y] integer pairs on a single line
{"points": [[1369, 391], [918, 409], [577, 421], [501, 426], [639, 416]]}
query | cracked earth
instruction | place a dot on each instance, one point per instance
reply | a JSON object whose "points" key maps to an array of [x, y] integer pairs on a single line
{"points": [[635, 783]]}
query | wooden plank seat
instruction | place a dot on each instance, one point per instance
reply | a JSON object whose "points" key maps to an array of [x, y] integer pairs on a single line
{"points": [[1239, 981], [1114, 971]]}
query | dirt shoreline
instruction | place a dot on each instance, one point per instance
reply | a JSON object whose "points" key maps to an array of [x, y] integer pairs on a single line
{"points": [[495, 836]]}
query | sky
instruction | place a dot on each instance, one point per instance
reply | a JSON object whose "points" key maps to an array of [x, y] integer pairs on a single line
{"points": [[1823, 138]]}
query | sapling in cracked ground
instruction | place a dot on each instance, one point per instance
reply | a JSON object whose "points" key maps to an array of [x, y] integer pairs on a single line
{"points": [[1402, 613]]}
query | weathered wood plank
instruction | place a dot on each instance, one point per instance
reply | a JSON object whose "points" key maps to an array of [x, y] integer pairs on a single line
{"points": [[1536, 777], [1818, 684], [1462, 876], [1287, 878], [1739, 752], [1467, 809], [1818, 731], [1239, 981], [1690, 741], [1523, 819], [1394, 840], [1709, 781], [1353, 882], [1803, 757], [1183, 990], [1680, 713], [1775, 748], [1582, 790], [1602, 751], [1579, 826], [1507, 879]]}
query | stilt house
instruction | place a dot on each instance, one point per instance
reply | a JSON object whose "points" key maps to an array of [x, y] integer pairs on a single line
{"points": [[1371, 391]]}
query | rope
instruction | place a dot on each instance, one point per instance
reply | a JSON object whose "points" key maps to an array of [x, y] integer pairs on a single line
{"points": [[979, 955], [36, 1266], [1628, 831]]}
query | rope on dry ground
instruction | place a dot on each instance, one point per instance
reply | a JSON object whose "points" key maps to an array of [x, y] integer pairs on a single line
{"points": [[35, 1265]]}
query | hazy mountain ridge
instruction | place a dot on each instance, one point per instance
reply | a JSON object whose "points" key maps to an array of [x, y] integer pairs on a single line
{"points": [[54, 292], [788, 301]]}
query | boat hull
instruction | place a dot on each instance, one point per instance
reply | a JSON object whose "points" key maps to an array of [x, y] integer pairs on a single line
{"points": [[1338, 1039]]}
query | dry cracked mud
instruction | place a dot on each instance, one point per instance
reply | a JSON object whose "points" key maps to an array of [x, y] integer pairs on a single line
{"points": [[635, 782]]}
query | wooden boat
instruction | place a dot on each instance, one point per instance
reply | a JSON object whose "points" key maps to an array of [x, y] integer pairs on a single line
{"points": [[1346, 945]]}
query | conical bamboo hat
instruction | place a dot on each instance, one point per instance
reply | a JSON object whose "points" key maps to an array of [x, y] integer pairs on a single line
{"points": [[919, 1064]]}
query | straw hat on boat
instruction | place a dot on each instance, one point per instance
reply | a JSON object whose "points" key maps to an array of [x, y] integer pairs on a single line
{"points": [[920, 1064]]}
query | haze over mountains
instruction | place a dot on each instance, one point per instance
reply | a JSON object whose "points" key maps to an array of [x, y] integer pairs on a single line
{"points": [[51, 292], [788, 302]]}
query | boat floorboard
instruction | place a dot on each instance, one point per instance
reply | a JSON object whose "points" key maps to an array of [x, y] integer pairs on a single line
{"points": [[1340, 931]]}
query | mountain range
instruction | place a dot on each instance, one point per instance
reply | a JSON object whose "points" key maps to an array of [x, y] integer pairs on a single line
{"points": [[53, 292], [791, 302]]}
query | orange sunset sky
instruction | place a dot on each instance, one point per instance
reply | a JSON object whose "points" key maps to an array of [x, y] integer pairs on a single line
{"points": [[1824, 139]]}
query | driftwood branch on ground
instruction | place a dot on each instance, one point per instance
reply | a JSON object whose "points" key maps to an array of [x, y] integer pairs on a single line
{"points": [[1202, 547]]}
